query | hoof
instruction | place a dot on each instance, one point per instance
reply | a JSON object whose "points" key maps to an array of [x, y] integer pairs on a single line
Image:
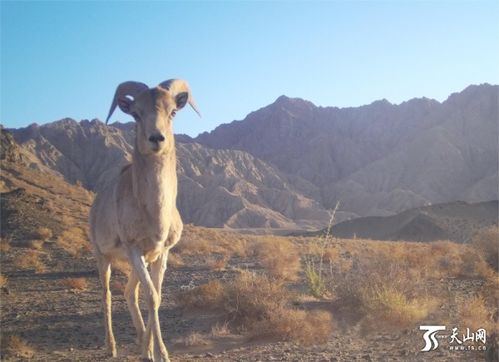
{"points": [[162, 357], [113, 353]]}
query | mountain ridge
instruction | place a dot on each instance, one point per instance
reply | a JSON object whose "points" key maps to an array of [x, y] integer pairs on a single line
{"points": [[287, 163]]}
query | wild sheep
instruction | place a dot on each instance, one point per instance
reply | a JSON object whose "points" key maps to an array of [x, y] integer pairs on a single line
{"points": [[136, 218]]}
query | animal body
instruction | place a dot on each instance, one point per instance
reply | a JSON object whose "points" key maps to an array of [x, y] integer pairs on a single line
{"points": [[135, 218]]}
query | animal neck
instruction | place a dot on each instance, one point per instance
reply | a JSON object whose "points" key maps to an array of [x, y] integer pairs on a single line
{"points": [[154, 181]]}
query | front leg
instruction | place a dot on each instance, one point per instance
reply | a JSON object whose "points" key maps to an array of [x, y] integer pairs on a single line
{"points": [[158, 269], [153, 300], [132, 299]]}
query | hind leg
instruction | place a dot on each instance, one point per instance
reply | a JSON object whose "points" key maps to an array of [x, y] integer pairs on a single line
{"points": [[104, 267]]}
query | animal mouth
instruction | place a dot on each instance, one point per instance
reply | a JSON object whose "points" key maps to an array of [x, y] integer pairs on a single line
{"points": [[155, 147]]}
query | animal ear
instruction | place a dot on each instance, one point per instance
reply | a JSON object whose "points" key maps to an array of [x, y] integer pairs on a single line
{"points": [[181, 99], [124, 103]]}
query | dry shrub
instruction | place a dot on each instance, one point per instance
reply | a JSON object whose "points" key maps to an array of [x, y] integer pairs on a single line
{"points": [[4, 245], [439, 259], [220, 330], [194, 246], [331, 255], [75, 283], [43, 233], [216, 263], [35, 244], [387, 303], [67, 220], [384, 291], [175, 260], [87, 248], [483, 309], [295, 325], [121, 265], [475, 313], [261, 306], [199, 240], [209, 296], [486, 242], [448, 259], [16, 347], [252, 297], [490, 291], [194, 339], [117, 286], [73, 241], [3, 280], [30, 260], [279, 257]]}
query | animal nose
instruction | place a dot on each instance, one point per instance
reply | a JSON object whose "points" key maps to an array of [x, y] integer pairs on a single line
{"points": [[156, 138]]}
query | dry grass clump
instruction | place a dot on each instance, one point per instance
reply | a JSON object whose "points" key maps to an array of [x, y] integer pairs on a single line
{"points": [[175, 260], [279, 257], [3, 280], [30, 260], [199, 240], [295, 325], [121, 265], [75, 283], [209, 296], [216, 263], [220, 330], [486, 242], [447, 259], [475, 313], [4, 245], [384, 291], [395, 307], [35, 244], [73, 241], [15, 346], [331, 254], [194, 339], [43, 233], [439, 259], [261, 307], [117, 286]]}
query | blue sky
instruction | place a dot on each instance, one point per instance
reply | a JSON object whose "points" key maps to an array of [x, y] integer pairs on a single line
{"points": [[64, 59]]}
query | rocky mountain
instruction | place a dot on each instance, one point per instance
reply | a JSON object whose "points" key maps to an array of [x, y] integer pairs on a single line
{"points": [[381, 158], [284, 165], [217, 188]]}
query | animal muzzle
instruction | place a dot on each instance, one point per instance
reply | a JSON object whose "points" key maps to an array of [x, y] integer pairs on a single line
{"points": [[156, 138]]}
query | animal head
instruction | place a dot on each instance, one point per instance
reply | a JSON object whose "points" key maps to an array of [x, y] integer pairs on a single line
{"points": [[153, 110]]}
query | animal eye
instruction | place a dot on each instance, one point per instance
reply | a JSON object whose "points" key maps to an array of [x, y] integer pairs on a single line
{"points": [[174, 112]]}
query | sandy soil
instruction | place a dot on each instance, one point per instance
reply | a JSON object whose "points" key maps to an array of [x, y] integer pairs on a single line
{"points": [[66, 325]]}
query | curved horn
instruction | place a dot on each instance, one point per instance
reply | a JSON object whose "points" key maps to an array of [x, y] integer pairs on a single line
{"points": [[176, 86], [129, 88]]}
